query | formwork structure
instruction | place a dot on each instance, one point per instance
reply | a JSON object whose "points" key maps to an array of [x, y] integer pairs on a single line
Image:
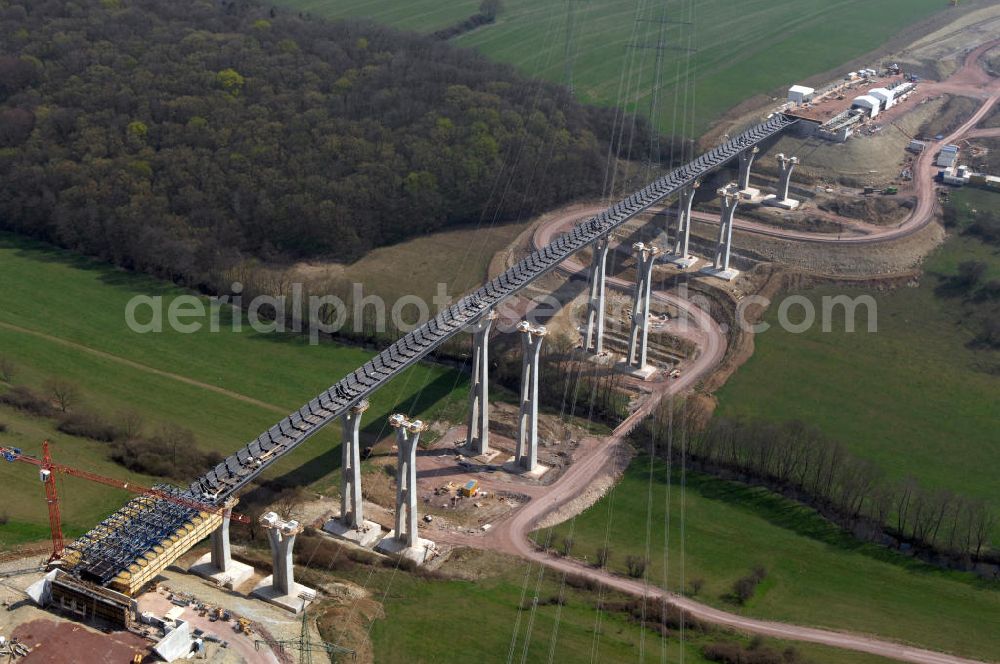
{"points": [[129, 548], [87, 601]]}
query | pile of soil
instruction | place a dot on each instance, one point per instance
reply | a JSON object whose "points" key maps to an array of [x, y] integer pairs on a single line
{"points": [[876, 209]]}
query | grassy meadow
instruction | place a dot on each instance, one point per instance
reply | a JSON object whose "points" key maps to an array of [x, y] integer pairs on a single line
{"points": [[63, 316], [416, 607], [913, 397], [816, 575], [739, 48]]}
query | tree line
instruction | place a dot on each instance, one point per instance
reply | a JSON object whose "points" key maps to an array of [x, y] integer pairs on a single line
{"points": [[180, 139], [801, 462]]}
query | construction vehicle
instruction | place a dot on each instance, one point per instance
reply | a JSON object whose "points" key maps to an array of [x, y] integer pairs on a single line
{"points": [[244, 625], [47, 472], [890, 191]]}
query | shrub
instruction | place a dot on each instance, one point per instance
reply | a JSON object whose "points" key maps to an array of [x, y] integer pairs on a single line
{"points": [[744, 588], [3, 427], [636, 566], [25, 399], [89, 425], [171, 453]]}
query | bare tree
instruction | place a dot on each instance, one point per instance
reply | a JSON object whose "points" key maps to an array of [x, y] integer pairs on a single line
{"points": [[288, 502], [132, 424], [983, 521], [603, 555], [490, 8], [63, 392], [7, 369]]}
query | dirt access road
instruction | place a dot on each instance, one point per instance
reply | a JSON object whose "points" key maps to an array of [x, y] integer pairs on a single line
{"points": [[594, 455]]}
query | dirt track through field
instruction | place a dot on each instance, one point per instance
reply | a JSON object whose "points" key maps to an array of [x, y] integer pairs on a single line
{"points": [[145, 368]]}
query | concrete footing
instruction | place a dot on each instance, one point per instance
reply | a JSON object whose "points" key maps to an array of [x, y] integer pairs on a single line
{"points": [[366, 535], [642, 373], [291, 601], [235, 575], [751, 194], [514, 468], [726, 274], [783, 203], [421, 552], [481, 458], [683, 262]]}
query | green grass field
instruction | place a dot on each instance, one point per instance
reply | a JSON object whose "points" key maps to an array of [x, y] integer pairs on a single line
{"points": [[61, 315], [492, 626], [816, 574], [741, 48], [912, 397]]}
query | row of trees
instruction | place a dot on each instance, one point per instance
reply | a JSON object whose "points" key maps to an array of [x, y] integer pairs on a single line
{"points": [[181, 138], [801, 462]]}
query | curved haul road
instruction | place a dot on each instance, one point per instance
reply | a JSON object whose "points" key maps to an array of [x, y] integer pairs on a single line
{"points": [[511, 534]]}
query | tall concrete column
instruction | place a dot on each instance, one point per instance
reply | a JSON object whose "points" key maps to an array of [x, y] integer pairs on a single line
{"points": [[594, 341], [351, 510], [728, 199], [746, 161], [477, 436], [526, 454], [683, 240], [222, 559], [785, 166], [407, 437], [645, 257], [282, 535]]}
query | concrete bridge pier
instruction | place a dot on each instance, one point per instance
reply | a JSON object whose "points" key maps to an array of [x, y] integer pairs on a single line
{"points": [[594, 340], [351, 524], [785, 166], [638, 343], [477, 437], [218, 565], [526, 454], [729, 198], [404, 540], [743, 181], [681, 255], [280, 588]]}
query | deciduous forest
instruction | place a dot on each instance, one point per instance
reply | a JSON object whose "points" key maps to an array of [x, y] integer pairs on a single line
{"points": [[180, 138]]}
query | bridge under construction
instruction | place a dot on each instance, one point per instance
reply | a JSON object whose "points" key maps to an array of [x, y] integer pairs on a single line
{"points": [[129, 548]]}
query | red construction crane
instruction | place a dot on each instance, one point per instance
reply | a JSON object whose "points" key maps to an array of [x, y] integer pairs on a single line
{"points": [[48, 469]]}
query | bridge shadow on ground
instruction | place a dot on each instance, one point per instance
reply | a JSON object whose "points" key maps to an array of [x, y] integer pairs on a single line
{"points": [[432, 394]]}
